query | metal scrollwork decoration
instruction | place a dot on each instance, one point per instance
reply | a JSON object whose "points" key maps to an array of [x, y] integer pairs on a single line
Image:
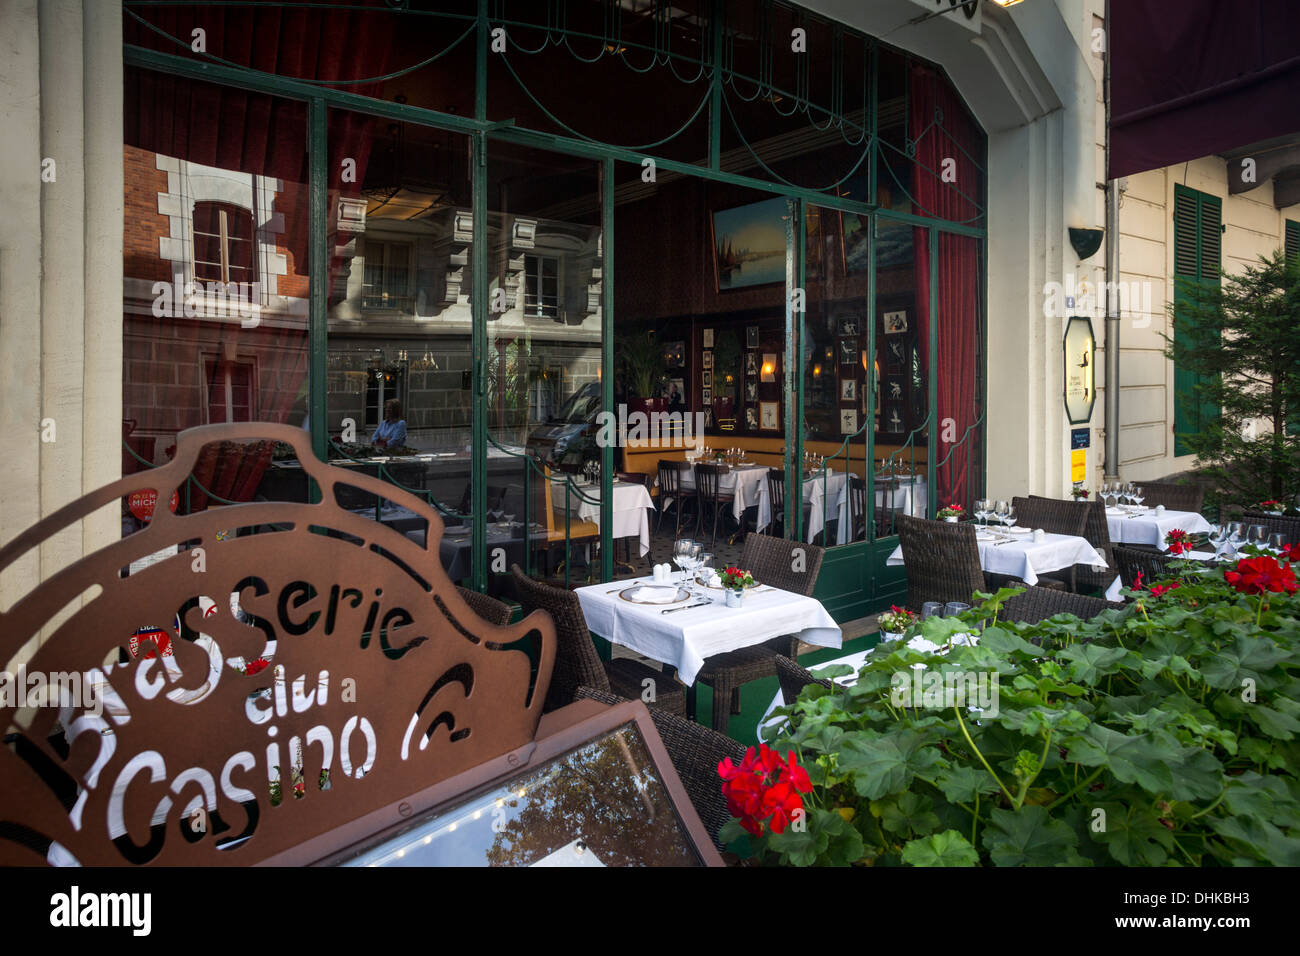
{"points": [[248, 692]]}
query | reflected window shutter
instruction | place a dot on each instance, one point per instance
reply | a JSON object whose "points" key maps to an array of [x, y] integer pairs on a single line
{"points": [[1292, 243]]}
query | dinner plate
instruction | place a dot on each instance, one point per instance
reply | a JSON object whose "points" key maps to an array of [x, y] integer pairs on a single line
{"points": [[1018, 530], [627, 595]]}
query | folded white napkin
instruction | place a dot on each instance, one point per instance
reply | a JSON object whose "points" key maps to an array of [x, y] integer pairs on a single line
{"points": [[654, 594]]}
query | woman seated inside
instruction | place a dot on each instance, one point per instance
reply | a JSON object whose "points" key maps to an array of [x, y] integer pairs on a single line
{"points": [[391, 432]]}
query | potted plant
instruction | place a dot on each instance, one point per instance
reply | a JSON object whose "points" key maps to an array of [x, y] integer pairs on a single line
{"points": [[1270, 507], [735, 581], [952, 512], [1079, 493], [726, 368], [643, 359], [895, 622]]}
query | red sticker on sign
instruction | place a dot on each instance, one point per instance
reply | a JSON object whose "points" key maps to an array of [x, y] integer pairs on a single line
{"points": [[141, 503], [160, 638]]}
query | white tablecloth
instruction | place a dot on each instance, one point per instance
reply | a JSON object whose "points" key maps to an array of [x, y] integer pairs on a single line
{"points": [[1147, 528], [743, 481], [826, 498], [1025, 558], [685, 638], [630, 504], [907, 495]]}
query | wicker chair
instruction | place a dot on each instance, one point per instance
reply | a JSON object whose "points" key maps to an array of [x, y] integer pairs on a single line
{"points": [[1288, 527], [1173, 497], [1057, 517], [943, 562], [794, 678], [576, 660], [1154, 565], [1038, 604], [488, 608], [695, 752], [771, 561]]}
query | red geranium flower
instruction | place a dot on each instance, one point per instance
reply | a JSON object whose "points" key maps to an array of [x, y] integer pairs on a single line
{"points": [[252, 667], [1292, 554], [1262, 575], [781, 803], [764, 788], [1160, 589], [1137, 582]]}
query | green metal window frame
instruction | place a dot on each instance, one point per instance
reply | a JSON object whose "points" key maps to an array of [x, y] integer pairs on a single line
{"points": [[319, 99]]}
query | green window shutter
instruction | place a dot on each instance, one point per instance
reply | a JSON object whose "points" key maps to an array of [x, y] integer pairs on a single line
{"points": [[1293, 243], [1198, 245]]}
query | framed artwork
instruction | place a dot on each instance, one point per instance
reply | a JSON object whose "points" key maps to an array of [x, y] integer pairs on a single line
{"points": [[848, 351], [896, 357], [675, 354], [848, 389], [751, 417], [895, 322], [894, 422], [708, 418], [707, 380], [749, 244], [751, 363], [706, 396], [676, 393], [708, 338], [769, 367], [848, 421], [751, 337], [849, 326], [707, 360], [769, 416], [751, 391], [894, 388]]}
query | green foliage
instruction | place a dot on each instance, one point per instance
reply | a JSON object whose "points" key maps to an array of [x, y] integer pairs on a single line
{"points": [[1249, 367], [642, 356], [1166, 733]]}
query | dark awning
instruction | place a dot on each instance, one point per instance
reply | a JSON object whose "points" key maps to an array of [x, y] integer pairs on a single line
{"points": [[1192, 78]]}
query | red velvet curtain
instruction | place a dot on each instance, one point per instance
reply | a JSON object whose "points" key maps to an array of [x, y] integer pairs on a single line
{"points": [[254, 133], [953, 138]]}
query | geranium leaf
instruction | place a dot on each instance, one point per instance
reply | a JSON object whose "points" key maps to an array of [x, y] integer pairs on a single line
{"points": [[887, 764], [948, 848], [1030, 837]]}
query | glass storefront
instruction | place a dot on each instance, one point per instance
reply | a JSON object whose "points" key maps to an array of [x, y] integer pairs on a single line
{"points": [[468, 241]]}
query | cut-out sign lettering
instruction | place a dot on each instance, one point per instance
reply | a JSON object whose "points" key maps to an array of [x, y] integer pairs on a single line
{"points": [[315, 672]]}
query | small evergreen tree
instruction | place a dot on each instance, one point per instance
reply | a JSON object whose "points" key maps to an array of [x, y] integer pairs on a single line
{"points": [[1241, 339]]}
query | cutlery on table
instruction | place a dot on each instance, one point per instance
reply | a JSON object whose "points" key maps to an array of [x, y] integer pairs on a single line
{"points": [[685, 607]]}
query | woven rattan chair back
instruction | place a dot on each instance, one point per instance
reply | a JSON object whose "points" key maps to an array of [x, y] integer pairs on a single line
{"points": [[942, 560], [1288, 527], [576, 660], [1038, 604], [789, 565], [794, 678], [1173, 497], [488, 608], [1052, 515], [1153, 565]]}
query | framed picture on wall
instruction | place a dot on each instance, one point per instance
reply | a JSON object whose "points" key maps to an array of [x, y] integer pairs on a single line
{"points": [[751, 337], [675, 354], [706, 396], [706, 360], [706, 379], [769, 416], [751, 363], [769, 367], [848, 421], [895, 322], [751, 391], [751, 417], [749, 244], [848, 351], [848, 390], [849, 325], [675, 393], [708, 338]]}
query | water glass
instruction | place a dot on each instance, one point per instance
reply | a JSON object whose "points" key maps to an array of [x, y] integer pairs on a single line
{"points": [[931, 608], [1010, 519], [1234, 534], [1277, 541], [1000, 509], [954, 608], [1256, 534]]}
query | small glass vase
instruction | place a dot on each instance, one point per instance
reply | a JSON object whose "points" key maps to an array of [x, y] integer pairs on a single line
{"points": [[890, 636], [952, 518], [734, 597]]}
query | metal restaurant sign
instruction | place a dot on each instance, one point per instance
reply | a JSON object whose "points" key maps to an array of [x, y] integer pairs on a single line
{"points": [[965, 12], [319, 670], [1080, 347]]}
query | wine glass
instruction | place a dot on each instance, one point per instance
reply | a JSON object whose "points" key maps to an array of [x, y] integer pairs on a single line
{"points": [[682, 553], [1277, 541], [1218, 535], [696, 550], [1137, 496], [1256, 534], [982, 510], [1234, 534], [1010, 519], [1000, 510], [704, 566]]}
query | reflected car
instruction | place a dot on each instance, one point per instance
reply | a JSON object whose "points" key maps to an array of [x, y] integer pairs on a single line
{"points": [[570, 434]]}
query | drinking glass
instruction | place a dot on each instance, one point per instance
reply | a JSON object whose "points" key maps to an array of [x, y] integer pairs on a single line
{"points": [[682, 553], [953, 608], [931, 608], [1010, 519], [1234, 534], [1256, 534], [1000, 510], [982, 510], [1277, 541], [1137, 496], [704, 568]]}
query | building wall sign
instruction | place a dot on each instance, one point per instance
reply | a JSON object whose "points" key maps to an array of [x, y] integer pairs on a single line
{"points": [[1080, 349]]}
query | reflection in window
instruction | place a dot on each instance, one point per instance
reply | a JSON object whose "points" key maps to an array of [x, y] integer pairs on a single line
{"points": [[541, 286], [603, 804], [223, 243], [387, 283]]}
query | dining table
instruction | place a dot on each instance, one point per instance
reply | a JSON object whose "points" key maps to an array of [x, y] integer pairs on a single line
{"points": [[686, 632], [1021, 554], [744, 482], [824, 493], [1137, 524], [631, 501]]}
